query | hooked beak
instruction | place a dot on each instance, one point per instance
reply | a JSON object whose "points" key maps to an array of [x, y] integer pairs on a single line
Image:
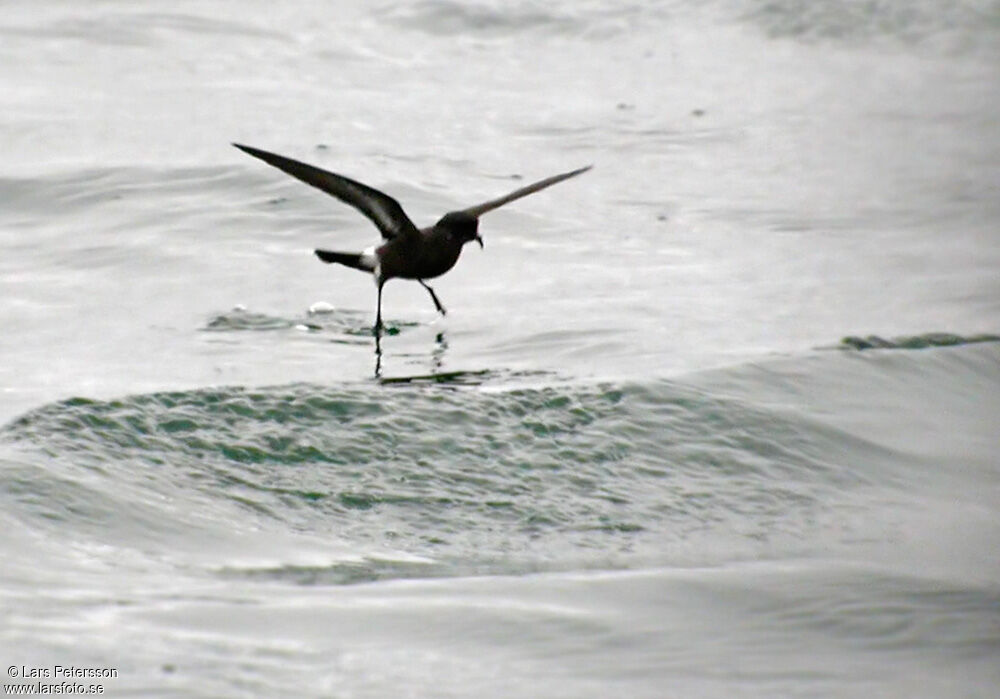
{"points": [[480, 241]]}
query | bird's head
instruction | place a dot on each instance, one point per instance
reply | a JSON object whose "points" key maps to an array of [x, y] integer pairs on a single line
{"points": [[461, 226]]}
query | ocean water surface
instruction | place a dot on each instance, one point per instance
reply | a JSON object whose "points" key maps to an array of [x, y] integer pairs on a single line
{"points": [[717, 418]]}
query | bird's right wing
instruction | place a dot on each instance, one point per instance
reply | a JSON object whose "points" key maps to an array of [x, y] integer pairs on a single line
{"points": [[481, 209], [384, 211]]}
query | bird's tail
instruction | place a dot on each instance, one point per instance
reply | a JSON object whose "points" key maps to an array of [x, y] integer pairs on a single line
{"points": [[356, 260]]}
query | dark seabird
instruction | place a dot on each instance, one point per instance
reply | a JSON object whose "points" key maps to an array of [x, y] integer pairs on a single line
{"points": [[408, 252]]}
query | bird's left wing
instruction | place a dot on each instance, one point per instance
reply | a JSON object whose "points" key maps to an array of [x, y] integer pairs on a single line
{"points": [[384, 211]]}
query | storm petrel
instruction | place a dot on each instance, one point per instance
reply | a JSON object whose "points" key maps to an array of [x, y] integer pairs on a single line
{"points": [[408, 252]]}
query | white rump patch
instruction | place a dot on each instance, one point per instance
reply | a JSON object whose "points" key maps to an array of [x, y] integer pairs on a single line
{"points": [[370, 260]]}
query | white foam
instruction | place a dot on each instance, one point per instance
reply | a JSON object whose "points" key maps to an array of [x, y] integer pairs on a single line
{"points": [[321, 307]]}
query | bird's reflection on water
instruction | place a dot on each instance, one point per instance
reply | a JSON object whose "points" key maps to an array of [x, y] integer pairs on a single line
{"points": [[437, 354], [435, 374], [437, 357]]}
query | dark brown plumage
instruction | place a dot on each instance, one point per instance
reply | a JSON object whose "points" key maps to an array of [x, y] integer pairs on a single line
{"points": [[408, 252]]}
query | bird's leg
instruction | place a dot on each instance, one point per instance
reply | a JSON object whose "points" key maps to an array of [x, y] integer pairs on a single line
{"points": [[437, 303], [378, 316]]}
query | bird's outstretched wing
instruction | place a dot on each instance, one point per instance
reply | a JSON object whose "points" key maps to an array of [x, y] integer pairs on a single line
{"points": [[481, 209], [384, 211]]}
